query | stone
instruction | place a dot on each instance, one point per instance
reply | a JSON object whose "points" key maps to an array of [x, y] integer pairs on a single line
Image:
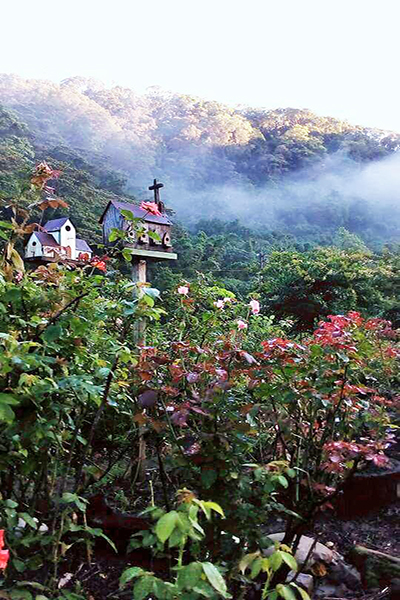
{"points": [[341, 572], [320, 552], [377, 568], [330, 590], [304, 580]]}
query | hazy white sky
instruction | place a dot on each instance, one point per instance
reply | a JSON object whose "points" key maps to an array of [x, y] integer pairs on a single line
{"points": [[337, 57]]}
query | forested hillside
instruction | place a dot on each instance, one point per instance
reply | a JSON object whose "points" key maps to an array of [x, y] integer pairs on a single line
{"points": [[284, 170]]}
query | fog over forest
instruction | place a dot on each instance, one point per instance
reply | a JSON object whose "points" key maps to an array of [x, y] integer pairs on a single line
{"points": [[286, 169]]}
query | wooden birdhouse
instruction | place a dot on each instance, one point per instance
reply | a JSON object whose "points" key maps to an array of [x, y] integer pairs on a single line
{"points": [[57, 241], [143, 246]]}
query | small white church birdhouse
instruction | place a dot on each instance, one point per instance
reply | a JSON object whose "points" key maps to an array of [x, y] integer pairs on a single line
{"points": [[57, 241], [154, 219]]}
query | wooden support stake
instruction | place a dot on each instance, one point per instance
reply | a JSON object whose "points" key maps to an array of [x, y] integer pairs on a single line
{"points": [[139, 274]]}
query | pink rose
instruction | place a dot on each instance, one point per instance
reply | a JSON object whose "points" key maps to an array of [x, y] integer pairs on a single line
{"points": [[219, 304], [183, 290], [241, 325], [255, 306]]}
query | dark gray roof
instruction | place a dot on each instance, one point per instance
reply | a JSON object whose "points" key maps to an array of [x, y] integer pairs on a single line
{"points": [[137, 212], [46, 239], [82, 246], [55, 224]]}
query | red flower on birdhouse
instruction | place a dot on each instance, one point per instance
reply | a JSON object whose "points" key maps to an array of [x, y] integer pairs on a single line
{"points": [[4, 554], [151, 207], [99, 264]]}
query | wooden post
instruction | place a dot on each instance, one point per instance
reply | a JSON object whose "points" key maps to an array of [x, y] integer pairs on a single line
{"points": [[139, 274]]}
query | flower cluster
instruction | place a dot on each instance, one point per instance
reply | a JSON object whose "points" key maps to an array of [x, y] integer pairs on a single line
{"points": [[4, 554], [99, 263], [255, 306], [151, 207], [220, 303], [183, 290]]}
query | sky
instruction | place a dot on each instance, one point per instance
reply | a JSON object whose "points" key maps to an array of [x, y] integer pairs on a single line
{"points": [[336, 57]]}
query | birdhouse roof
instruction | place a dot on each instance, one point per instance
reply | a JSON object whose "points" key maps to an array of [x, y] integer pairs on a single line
{"points": [[82, 246], [56, 224], [46, 239], [137, 212]]}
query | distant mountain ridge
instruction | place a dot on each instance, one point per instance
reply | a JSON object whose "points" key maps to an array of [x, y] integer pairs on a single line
{"points": [[270, 167]]}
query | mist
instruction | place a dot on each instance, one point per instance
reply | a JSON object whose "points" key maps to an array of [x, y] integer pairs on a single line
{"points": [[285, 169]]}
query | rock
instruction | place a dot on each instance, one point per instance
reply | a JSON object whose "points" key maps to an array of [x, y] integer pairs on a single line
{"points": [[377, 568], [340, 572], [320, 553], [330, 590], [303, 580]]}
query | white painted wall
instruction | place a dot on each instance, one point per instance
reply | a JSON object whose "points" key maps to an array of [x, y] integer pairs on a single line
{"points": [[33, 247], [68, 237]]}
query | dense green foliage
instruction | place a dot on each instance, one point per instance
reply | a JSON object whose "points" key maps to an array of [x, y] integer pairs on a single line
{"points": [[212, 417]]}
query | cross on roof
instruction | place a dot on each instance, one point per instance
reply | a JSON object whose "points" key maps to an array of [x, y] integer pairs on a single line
{"points": [[156, 187]]}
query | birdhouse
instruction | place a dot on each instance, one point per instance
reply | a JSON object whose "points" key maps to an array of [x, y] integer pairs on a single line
{"points": [[143, 245], [57, 240]]}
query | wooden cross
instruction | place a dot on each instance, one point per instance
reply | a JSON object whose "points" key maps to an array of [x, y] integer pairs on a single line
{"points": [[156, 187]]}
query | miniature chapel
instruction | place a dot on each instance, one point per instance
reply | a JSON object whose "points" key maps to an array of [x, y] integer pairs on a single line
{"points": [[57, 241], [145, 247]]}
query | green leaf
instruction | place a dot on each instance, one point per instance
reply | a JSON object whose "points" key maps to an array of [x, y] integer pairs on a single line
{"points": [[269, 595], [164, 590], [152, 292], [143, 587], [289, 560], [127, 254], [166, 525], [6, 225], [215, 507], [246, 561], [129, 574], [67, 498], [114, 235], [189, 576], [8, 399], [215, 578], [204, 589], [11, 503], [21, 595], [28, 519], [301, 591], [283, 481], [256, 567], [19, 565], [208, 478], [154, 236], [128, 214], [286, 592], [52, 333], [275, 560], [6, 413]]}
